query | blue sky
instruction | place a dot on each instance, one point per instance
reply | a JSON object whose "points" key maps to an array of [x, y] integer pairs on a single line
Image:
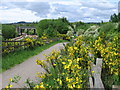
{"points": [[73, 10]]}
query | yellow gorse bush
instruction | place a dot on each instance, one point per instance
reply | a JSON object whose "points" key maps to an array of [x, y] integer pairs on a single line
{"points": [[109, 51], [69, 68], [29, 40], [66, 69], [43, 37]]}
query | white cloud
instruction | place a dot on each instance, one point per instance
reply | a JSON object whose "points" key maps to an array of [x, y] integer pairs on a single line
{"points": [[74, 10], [28, 0], [15, 15]]}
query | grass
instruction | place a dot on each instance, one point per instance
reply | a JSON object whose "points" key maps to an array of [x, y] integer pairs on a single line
{"points": [[18, 57]]}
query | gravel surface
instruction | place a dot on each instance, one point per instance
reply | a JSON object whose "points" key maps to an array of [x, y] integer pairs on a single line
{"points": [[27, 69]]}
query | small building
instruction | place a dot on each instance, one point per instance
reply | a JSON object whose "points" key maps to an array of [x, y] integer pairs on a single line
{"points": [[27, 29]]}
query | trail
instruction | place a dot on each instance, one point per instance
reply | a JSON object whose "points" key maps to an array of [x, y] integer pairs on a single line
{"points": [[27, 69]]}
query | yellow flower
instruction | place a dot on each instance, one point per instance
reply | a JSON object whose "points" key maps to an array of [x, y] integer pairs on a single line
{"points": [[11, 79], [67, 79], [77, 79], [81, 81], [78, 86], [93, 71], [78, 59], [58, 79], [10, 86], [69, 86], [66, 66], [73, 84], [7, 87], [63, 63], [75, 48], [37, 86], [42, 87], [54, 64], [116, 73], [60, 82]]}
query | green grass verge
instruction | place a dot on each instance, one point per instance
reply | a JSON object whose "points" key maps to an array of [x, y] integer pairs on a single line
{"points": [[18, 57]]}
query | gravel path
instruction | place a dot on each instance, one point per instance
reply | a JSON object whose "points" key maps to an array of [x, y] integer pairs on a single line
{"points": [[27, 69]]}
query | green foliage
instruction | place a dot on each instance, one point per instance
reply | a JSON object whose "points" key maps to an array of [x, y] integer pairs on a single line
{"points": [[107, 27], [31, 32], [51, 32], [8, 31], [52, 26], [80, 32], [115, 18], [118, 26], [70, 33], [76, 26], [85, 26], [78, 23], [60, 26]]}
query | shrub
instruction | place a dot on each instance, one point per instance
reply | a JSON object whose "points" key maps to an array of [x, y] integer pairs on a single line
{"points": [[8, 31], [51, 32], [107, 27]]}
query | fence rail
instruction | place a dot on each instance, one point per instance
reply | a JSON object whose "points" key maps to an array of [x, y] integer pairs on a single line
{"points": [[15, 46], [10, 46]]}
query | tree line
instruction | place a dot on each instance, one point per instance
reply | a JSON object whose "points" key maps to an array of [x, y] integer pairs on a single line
{"points": [[115, 18]]}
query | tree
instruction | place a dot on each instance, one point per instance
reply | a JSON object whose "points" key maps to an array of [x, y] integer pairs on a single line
{"points": [[57, 25], [50, 31], [60, 26], [8, 31], [115, 18]]}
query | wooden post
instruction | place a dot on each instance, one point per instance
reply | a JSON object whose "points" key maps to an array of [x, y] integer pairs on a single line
{"points": [[91, 81], [96, 74]]}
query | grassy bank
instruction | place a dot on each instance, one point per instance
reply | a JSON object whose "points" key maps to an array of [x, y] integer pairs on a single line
{"points": [[18, 57]]}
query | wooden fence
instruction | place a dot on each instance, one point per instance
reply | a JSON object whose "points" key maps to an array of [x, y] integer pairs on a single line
{"points": [[13, 45], [95, 80], [95, 74], [20, 43]]}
